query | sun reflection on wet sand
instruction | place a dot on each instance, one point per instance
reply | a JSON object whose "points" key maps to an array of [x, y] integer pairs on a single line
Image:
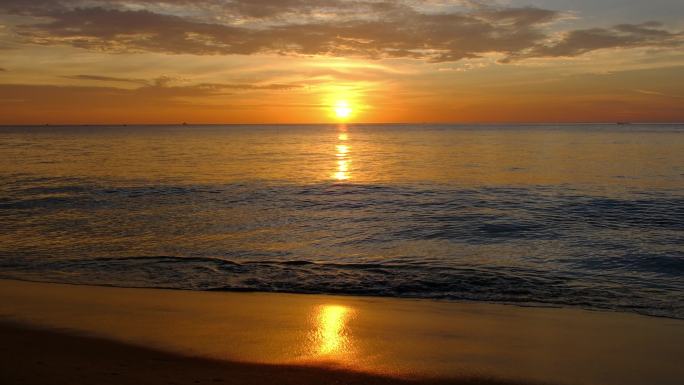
{"points": [[342, 154], [330, 334]]}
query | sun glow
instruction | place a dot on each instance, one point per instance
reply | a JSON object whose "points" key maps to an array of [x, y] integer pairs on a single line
{"points": [[342, 109], [331, 332]]}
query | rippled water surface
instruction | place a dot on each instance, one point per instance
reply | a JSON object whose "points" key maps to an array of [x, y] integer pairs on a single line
{"points": [[589, 216]]}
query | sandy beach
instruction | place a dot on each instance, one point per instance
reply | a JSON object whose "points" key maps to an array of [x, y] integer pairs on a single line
{"points": [[57, 333], [34, 356]]}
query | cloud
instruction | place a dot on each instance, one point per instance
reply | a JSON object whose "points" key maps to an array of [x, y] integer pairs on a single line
{"points": [[579, 42], [106, 79], [341, 28], [168, 83], [243, 86], [2, 69], [401, 33], [157, 92], [656, 93], [275, 8]]}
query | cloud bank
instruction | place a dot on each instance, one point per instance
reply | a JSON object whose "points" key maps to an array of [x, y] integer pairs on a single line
{"points": [[338, 28]]}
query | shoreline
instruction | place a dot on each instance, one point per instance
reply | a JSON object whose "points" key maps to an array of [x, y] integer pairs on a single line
{"points": [[391, 339], [533, 305], [649, 312]]}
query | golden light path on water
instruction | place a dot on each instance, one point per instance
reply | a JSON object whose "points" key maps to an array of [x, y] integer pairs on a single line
{"points": [[330, 332], [342, 153]]}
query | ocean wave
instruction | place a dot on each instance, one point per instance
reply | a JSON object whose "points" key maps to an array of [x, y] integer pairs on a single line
{"points": [[551, 245], [477, 283]]}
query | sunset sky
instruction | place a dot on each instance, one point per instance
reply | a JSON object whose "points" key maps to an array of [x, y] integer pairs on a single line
{"points": [[306, 61]]}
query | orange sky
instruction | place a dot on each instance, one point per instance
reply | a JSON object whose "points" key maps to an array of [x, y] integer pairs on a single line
{"points": [[293, 61]]}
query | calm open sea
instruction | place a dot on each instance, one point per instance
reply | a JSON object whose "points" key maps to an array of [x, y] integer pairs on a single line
{"points": [[587, 215]]}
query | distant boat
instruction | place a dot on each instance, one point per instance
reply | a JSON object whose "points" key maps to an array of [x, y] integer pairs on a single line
{"points": [[623, 123]]}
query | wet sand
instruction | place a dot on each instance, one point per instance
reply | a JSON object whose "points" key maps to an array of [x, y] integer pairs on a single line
{"points": [[34, 356], [63, 334]]}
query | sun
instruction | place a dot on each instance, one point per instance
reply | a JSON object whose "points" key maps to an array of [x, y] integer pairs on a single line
{"points": [[342, 109]]}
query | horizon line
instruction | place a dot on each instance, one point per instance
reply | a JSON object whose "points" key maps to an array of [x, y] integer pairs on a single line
{"points": [[189, 124]]}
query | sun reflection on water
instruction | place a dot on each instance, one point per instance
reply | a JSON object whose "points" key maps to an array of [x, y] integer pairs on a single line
{"points": [[330, 334], [342, 153], [342, 150]]}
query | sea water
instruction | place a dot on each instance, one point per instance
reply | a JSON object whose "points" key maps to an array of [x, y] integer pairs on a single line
{"points": [[541, 215]]}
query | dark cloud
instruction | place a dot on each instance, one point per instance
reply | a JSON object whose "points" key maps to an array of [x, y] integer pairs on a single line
{"points": [[578, 42], [2, 69], [273, 8], [258, 9], [407, 33], [368, 29], [123, 30]]}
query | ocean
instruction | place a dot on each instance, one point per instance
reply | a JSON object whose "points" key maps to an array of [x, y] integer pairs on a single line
{"points": [[588, 216]]}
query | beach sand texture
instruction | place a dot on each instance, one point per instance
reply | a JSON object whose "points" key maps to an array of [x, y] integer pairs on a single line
{"points": [[115, 335]]}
